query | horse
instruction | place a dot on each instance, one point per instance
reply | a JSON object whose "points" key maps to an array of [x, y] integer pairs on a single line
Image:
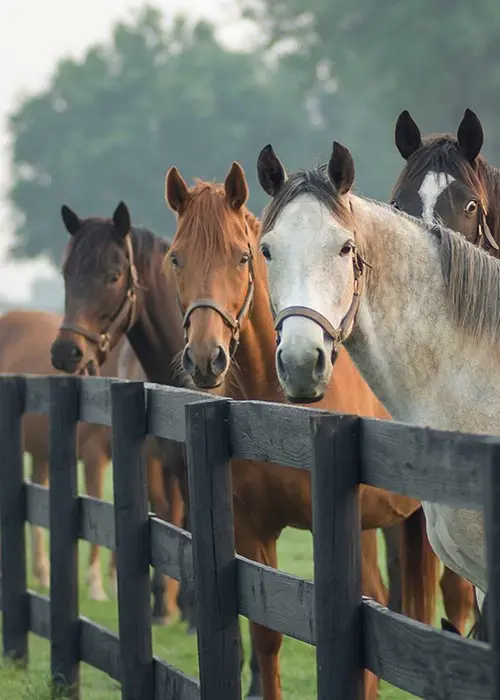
{"points": [[445, 179], [115, 286], [402, 296], [229, 349], [25, 341]]}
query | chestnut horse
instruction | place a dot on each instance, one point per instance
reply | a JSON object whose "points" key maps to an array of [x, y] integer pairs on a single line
{"points": [[25, 341], [230, 345]]}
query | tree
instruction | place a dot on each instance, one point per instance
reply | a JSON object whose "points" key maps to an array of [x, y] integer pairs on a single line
{"points": [[107, 128], [432, 57]]}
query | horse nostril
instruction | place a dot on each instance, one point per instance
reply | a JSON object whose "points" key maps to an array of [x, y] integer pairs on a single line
{"points": [[76, 353], [187, 360], [218, 361], [280, 364], [320, 367]]}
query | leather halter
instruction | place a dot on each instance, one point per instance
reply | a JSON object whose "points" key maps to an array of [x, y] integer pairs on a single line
{"points": [[103, 340], [483, 232], [233, 323], [338, 335]]}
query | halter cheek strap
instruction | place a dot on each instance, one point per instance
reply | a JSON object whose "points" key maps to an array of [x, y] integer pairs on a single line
{"points": [[483, 231], [233, 323], [338, 335], [127, 309]]}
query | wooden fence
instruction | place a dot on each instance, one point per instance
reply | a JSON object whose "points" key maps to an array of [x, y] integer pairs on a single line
{"points": [[349, 631]]}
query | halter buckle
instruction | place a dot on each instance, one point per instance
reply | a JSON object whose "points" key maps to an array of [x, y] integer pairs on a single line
{"points": [[104, 342]]}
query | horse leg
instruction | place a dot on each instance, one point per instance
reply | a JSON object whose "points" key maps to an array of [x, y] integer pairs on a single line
{"points": [[267, 642], [420, 570], [176, 503], [373, 587], [41, 566], [95, 461], [458, 598], [392, 536], [255, 688], [161, 614]]}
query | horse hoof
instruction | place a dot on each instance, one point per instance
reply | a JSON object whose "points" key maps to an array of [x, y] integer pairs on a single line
{"points": [[163, 620], [98, 595]]}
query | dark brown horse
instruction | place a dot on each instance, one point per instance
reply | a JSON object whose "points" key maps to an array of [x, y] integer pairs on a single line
{"points": [[446, 180], [230, 348], [25, 341]]}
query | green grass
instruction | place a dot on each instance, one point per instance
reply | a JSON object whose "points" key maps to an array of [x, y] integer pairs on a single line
{"points": [[172, 644]]}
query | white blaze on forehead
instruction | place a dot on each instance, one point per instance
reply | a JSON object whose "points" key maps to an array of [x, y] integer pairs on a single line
{"points": [[433, 185]]}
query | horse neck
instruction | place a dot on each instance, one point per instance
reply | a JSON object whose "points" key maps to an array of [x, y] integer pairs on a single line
{"points": [[156, 337], [409, 351], [252, 374]]}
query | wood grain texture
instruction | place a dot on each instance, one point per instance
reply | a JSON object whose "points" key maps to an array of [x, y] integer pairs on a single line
{"points": [[63, 520], [12, 517], [132, 539], [212, 525], [423, 660]]}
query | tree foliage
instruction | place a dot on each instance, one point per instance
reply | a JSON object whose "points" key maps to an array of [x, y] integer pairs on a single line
{"points": [[108, 127], [432, 57]]}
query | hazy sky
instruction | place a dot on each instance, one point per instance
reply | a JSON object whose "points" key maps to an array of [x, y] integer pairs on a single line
{"points": [[33, 37]]}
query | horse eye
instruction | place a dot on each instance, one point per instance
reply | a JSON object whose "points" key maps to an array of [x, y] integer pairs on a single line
{"points": [[113, 277], [244, 259], [264, 249], [173, 260], [394, 204], [346, 249], [471, 207]]}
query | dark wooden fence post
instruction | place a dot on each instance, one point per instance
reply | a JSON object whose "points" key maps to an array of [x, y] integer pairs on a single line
{"points": [[132, 539], [212, 526], [12, 519], [337, 557], [64, 512], [492, 531]]}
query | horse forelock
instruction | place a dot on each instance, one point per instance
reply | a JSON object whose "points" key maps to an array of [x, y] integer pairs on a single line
{"points": [[314, 182], [209, 227]]}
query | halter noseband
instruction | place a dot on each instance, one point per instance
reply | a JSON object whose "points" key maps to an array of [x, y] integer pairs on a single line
{"points": [[338, 335], [104, 339], [233, 323]]}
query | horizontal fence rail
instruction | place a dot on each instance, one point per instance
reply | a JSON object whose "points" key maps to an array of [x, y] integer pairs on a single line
{"points": [[440, 466]]}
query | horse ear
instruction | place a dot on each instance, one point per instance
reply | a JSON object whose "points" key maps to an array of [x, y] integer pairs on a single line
{"points": [[121, 220], [236, 187], [270, 171], [407, 135], [470, 135], [341, 168], [71, 220], [176, 190]]}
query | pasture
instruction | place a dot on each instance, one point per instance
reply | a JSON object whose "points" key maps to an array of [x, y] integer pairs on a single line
{"points": [[172, 644]]}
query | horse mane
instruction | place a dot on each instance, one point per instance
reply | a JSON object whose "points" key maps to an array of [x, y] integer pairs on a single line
{"points": [[205, 224], [304, 182], [86, 250], [471, 276], [441, 153]]}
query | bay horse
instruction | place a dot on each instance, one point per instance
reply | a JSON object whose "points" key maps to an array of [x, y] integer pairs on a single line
{"points": [[25, 340], [115, 287], [446, 180], [229, 349], [401, 295]]}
